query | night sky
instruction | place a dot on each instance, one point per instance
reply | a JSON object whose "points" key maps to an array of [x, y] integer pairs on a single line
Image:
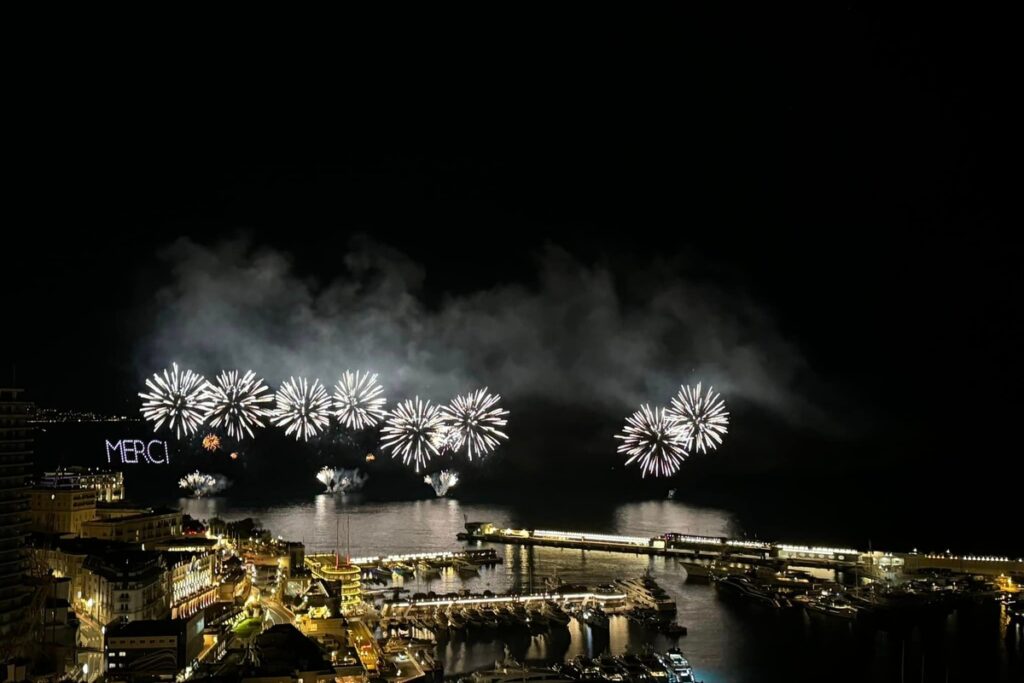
{"points": [[827, 204]]}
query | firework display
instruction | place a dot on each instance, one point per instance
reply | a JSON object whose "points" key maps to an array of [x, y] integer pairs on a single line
{"points": [[199, 483], [211, 442], [703, 414], [447, 439], [302, 408], [237, 403], [341, 480], [656, 440], [177, 399], [358, 401], [411, 430], [476, 419], [442, 481]]}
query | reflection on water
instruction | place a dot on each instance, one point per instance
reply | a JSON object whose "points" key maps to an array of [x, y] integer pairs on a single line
{"points": [[727, 642]]}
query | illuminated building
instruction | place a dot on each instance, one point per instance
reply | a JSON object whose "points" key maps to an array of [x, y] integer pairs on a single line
{"points": [[328, 568], [108, 484], [124, 584], [136, 527], [190, 582], [15, 456], [152, 649], [61, 511]]}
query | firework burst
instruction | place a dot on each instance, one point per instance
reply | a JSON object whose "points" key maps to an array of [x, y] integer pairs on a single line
{"points": [[341, 480], [302, 408], [476, 419], [237, 403], [655, 440], [199, 483], [442, 481], [177, 399], [411, 430], [211, 442], [358, 402], [447, 439], [703, 414]]}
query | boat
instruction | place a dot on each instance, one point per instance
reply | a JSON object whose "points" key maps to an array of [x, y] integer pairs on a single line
{"points": [[403, 570], [744, 587], [380, 574], [456, 620], [594, 617], [556, 614], [831, 606], [657, 670], [520, 674], [505, 616], [427, 570], [465, 568], [645, 592], [474, 617], [698, 573], [675, 660], [490, 617], [611, 668]]}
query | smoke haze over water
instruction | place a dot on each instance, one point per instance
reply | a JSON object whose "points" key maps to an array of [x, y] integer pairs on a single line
{"points": [[576, 334]]}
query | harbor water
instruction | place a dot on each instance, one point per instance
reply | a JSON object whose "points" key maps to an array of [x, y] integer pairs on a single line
{"points": [[728, 642]]}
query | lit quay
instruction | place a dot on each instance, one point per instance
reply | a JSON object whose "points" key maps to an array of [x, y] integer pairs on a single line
{"points": [[715, 551]]}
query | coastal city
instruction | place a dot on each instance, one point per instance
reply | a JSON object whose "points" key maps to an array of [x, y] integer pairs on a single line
{"points": [[98, 587], [684, 351]]}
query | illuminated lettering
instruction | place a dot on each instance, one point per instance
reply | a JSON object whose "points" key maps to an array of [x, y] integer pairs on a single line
{"points": [[155, 452], [149, 452], [116, 449], [128, 445]]}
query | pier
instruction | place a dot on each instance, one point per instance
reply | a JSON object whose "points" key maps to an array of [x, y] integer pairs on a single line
{"points": [[711, 550]]}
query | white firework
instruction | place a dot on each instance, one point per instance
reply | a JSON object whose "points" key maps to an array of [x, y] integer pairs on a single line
{"points": [[177, 399], [237, 403], [198, 483], [302, 408], [442, 481], [411, 431], [447, 439], [341, 480], [477, 420], [703, 414], [655, 440], [358, 402]]}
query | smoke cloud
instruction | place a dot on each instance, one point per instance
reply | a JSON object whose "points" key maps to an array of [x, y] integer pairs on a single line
{"points": [[574, 333]]}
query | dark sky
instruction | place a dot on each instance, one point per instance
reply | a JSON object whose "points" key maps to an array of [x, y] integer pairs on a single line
{"points": [[846, 183]]}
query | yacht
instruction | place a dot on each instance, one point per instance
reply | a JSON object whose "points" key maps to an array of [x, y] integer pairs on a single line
{"points": [[680, 666], [645, 592], [742, 586], [594, 617], [830, 605], [556, 614]]}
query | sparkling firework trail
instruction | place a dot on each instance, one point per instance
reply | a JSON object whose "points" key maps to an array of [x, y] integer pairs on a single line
{"points": [[411, 430], [703, 415], [341, 480], [447, 439], [237, 403], [302, 408], [358, 402], [442, 481], [656, 440], [177, 399], [476, 419], [198, 483], [211, 442]]}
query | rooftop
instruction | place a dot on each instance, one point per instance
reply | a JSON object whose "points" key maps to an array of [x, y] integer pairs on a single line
{"points": [[147, 627]]}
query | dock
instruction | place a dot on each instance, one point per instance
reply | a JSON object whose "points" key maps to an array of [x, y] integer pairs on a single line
{"points": [[704, 551]]}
